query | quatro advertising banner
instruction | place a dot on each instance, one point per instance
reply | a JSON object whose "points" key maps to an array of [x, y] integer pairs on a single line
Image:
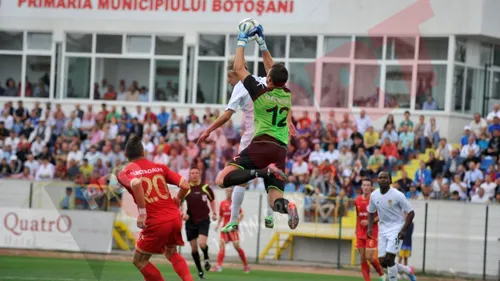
{"points": [[277, 11], [78, 231]]}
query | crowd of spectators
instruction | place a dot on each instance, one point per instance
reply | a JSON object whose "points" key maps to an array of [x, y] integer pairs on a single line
{"points": [[326, 160]]}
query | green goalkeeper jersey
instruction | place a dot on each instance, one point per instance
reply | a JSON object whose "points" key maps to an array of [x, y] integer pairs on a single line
{"points": [[271, 107]]}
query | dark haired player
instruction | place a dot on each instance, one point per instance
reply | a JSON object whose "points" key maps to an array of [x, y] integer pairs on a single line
{"points": [[390, 205], [366, 247], [197, 217], [265, 156], [159, 215]]}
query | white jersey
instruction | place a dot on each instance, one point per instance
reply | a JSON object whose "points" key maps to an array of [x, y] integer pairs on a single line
{"points": [[391, 208], [241, 99]]}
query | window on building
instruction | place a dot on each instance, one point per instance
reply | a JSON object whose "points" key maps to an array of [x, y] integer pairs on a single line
{"points": [[335, 85], [398, 79], [431, 86], [366, 85]]}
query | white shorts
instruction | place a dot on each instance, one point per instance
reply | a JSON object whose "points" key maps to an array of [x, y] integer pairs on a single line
{"points": [[388, 243], [246, 139]]}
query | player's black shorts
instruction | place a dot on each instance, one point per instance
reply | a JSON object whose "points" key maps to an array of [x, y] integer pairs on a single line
{"points": [[193, 230], [262, 151]]}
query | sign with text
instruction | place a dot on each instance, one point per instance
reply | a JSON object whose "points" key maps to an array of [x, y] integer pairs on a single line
{"points": [[278, 11], [78, 231]]}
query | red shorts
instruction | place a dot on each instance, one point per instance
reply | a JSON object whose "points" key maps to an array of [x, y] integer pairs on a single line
{"points": [[366, 243], [155, 239], [230, 237]]}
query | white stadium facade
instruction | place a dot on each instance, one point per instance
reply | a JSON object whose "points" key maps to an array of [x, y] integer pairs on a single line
{"points": [[385, 55]]}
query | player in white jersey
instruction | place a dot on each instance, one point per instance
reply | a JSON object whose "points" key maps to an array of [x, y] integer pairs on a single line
{"points": [[391, 206], [239, 99]]}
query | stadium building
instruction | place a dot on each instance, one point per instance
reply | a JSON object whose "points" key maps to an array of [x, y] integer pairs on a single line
{"points": [[387, 56]]}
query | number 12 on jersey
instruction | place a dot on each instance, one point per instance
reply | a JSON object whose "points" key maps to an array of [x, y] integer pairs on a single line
{"points": [[275, 110]]}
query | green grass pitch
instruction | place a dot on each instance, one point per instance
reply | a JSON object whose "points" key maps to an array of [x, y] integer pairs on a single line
{"points": [[49, 269]]}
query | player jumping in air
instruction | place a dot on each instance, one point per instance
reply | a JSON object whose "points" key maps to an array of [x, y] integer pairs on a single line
{"points": [[232, 237], [159, 215], [391, 206], [265, 156], [366, 247], [241, 98]]}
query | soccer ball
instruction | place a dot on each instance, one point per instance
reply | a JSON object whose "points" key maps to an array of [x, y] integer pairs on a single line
{"points": [[246, 25]]}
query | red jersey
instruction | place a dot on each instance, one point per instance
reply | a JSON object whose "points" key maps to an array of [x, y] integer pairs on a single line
{"points": [[154, 177], [225, 211], [362, 213]]}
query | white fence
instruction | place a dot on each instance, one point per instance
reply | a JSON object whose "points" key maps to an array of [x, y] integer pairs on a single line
{"points": [[448, 236]]}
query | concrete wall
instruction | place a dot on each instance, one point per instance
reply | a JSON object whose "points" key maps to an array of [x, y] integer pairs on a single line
{"points": [[432, 17]]}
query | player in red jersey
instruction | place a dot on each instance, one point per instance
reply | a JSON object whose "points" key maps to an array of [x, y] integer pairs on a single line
{"points": [[367, 247], [159, 215], [224, 218]]}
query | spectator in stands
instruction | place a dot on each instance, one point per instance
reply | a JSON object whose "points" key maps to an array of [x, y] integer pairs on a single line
{"points": [[371, 140], [329, 136], [345, 157], [430, 103], [493, 148], [303, 151], [390, 152], [451, 165], [407, 122], [470, 146], [444, 150], [25, 175], [389, 133], [495, 125], [435, 164], [376, 162], [389, 121], [405, 147], [363, 122], [133, 93], [423, 177], [45, 170], [404, 183], [413, 193], [478, 125], [473, 176], [480, 197], [110, 93], [493, 113], [489, 187], [420, 133], [10, 88], [439, 186]]}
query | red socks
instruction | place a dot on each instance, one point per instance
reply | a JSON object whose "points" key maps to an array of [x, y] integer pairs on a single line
{"points": [[180, 267], [376, 264], [151, 273], [243, 257], [220, 256], [365, 270]]}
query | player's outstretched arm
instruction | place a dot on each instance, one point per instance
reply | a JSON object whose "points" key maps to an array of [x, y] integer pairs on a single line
{"points": [[217, 124], [408, 221], [291, 128], [239, 58]]}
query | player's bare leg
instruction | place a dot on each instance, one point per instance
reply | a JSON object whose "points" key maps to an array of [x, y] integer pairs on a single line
{"points": [[371, 257], [196, 257], [220, 256], [147, 269], [178, 263], [365, 267], [202, 240], [283, 206], [243, 258]]}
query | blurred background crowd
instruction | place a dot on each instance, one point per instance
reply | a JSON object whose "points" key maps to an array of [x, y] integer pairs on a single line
{"points": [[326, 160]]}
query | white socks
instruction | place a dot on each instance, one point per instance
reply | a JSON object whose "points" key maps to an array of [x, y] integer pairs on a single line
{"points": [[270, 212], [393, 273], [237, 201], [403, 268]]}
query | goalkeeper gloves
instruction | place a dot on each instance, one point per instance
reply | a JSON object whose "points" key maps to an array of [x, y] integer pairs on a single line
{"points": [[242, 40], [258, 34]]}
